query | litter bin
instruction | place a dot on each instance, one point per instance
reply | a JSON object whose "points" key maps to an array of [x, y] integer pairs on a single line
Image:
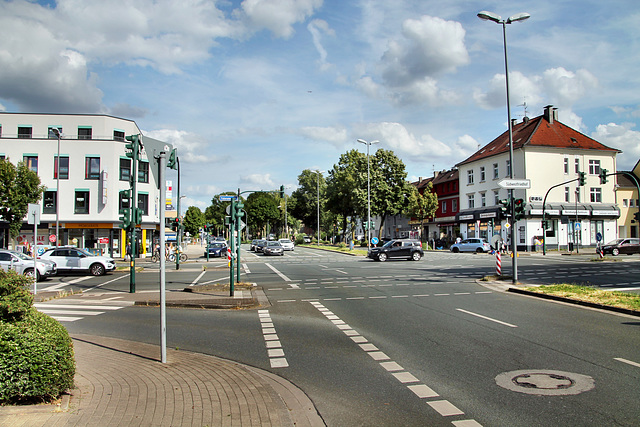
{"points": [[570, 246]]}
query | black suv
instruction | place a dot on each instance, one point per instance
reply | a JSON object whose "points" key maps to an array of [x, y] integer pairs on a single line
{"points": [[405, 248]]}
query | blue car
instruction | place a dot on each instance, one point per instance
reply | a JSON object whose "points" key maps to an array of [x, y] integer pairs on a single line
{"points": [[217, 249]]}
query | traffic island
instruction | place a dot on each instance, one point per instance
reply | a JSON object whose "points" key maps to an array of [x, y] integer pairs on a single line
{"points": [[212, 296]]}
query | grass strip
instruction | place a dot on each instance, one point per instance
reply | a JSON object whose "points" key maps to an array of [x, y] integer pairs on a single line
{"points": [[590, 294]]}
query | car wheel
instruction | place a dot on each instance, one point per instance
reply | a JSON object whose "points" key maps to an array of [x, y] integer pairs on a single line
{"points": [[615, 252], [96, 269], [382, 257], [479, 251], [416, 256], [29, 273], [455, 250]]}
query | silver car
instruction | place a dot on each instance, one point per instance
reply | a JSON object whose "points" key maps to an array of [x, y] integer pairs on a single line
{"points": [[471, 245], [23, 264], [75, 259], [273, 248]]}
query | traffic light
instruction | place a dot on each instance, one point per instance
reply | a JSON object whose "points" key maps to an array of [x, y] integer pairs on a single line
{"points": [[136, 218], [125, 201], [175, 224], [518, 209], [582, 179], [171, 162], [238, 213], [126, 219], [504, 208], [134, 146], [603, 176], [281, 191]]}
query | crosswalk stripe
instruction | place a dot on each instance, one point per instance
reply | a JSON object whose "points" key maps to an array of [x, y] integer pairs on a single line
{"points": [[78, 306], [71, 312]]}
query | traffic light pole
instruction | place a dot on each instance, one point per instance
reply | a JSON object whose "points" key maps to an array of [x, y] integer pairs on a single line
{"points": [[179, 230], [135, 145], [232, 227]]}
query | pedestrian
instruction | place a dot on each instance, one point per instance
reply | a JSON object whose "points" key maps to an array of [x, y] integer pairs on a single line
{"points": [[127, 256]]}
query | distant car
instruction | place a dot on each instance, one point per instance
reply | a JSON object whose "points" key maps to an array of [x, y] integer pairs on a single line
{"points": [[307, 239], [260, 244], [273, 247], [271, 237], [622, 246], [217, 249], [70, 258], [253, 244], [400, 248], [471, 245], [287, 244], [23, 264]]}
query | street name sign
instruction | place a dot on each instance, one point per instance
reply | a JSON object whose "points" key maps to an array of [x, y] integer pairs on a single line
{"points": [[515, 183], [227, 198]]}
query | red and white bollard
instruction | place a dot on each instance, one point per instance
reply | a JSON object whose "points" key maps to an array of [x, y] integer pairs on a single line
{"points": [[498, 264], [228, 257]]}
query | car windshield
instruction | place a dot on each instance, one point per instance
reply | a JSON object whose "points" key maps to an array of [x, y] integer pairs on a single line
{"points": [[216, 245], [615, 242], [274, 244], [22, 256], [285, 241], [83, 252]]}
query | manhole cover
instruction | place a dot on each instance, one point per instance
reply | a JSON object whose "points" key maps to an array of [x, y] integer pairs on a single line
{"points": [[545, 382]]}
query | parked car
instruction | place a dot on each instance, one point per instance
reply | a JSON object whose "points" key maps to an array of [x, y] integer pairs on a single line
{"points": [[307, 239], [217, 249], [287, 244], [70, 258], [622, 246], [23, 264], [260, 244], [273, 247], [471, 245], [253, 244], [399, 248]]}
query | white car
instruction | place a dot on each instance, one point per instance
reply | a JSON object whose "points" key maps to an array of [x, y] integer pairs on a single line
{"points": [[23, 264], [471, 245], [287, 244], [70, 258]]}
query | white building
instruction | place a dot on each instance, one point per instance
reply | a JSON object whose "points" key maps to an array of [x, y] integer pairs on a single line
{"points": [[549, 154], [93, 169]]}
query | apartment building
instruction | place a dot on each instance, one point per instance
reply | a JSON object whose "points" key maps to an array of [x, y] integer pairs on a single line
{"points": [[84, 199], [627, 198], [550, 154]]}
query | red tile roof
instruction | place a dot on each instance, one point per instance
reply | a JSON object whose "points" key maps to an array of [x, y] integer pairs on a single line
{"points": [[540, 133]]}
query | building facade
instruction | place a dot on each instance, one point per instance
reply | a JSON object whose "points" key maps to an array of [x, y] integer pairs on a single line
{"points": [[84, 200], [627, 198], [550, 155]]}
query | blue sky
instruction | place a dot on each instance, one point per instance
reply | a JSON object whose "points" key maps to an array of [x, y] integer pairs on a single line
{"points": [[252, 92]]}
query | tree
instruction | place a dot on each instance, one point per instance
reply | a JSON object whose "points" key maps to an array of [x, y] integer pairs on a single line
{"points": [[345, 194], [262, 209], [19, 186], [215, 213], [304, 201], [422, 206], [194, 220]]}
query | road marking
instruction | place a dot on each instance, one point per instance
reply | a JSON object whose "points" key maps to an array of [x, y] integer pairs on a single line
{"points": [[445, 408], [275, 270], [71, 282], [486, 318], [53, 313], [76, 306], [621, 289], [620, 359], [272, 341], [197, 278], [246, 268]]}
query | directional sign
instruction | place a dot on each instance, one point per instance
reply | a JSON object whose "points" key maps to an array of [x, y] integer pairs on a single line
{"points": [[227, 198], [374, 240], [515, 183]]}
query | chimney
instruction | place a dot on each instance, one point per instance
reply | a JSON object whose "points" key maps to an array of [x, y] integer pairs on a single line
{"points": [[525, 120], [555, 114], [548, 114], [513, 123]]}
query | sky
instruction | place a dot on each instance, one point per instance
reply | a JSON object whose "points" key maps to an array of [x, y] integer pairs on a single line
{"points": [[252, 92]]}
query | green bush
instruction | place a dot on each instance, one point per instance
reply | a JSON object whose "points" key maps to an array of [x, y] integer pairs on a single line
{"points": [[36, 352]]}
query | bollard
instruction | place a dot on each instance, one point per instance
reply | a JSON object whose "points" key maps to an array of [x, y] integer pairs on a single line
{"points": [[498, 264]]}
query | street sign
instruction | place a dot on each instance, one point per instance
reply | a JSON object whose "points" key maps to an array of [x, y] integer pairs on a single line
{"points": [[227, 198], [242, 225], [507, 225], [33, 214], [374, 240], [515, 183]]}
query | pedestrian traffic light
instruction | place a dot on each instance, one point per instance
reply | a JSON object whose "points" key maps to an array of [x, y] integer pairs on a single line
{"points": [[125, 201], [582, 178], [603, 176], [518, 209], [281, 191], [126, 219], [173, 158], [504, 205]]}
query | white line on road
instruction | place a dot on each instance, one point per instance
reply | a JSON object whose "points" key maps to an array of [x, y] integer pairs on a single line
{"points": [[106, 283], [340, 271], [246, 268], [275, 270], [620, 359], [60, 285], [487, 318], [197, 278]]}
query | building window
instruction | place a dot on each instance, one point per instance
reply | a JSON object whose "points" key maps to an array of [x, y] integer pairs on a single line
{"points": [[596, 195], [594, 167], [81, 202], [631, 203], [471, 200], [125, 169], [444, 206], [483, 199], [64, 167], [31, 162], [566, 165], [49, 202], [118, 135], [92, 168], [577, 195], [470, 177], [454, 205], [495, 171], [143, 171], [625, 203], [496, 198], [24, 132], [508, 168], [84, 132], [143, 203], [482, 175], [51, 133], [576, 165], [566, 194]]}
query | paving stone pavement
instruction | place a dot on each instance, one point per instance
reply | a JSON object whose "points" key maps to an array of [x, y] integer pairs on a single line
{"points": [[122, 383]]}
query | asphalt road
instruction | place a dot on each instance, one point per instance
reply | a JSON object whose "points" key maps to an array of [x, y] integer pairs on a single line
{"points": [[409, 343]]}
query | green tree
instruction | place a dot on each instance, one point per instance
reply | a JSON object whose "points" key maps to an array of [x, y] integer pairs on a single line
{"points": [[422, 206], [262, 209], [347, 188], [194, 220], [215, 213], [303, 203], [19, 186]]}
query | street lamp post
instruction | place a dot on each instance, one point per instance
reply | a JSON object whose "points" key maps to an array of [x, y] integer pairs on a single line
{"points": [[56, 132], [490, 16], [318, 189], [368, 144]]}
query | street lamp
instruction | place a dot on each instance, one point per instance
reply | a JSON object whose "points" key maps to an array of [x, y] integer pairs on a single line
{"points": [[368, 144], [56, 132], [318, 187], [490, 16]]}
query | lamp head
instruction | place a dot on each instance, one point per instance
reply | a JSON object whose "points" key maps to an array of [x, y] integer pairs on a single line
{"points": [[489, 16], [518, 17]]}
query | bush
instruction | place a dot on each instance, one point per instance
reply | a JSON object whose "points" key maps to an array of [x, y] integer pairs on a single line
{"points": [[36, 352]]}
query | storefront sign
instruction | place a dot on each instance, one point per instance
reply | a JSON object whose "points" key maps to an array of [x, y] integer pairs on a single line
{"points": [[573, 212], [546, 212], [103, 240], [604, 213], [89, 225], [466, 217], [487, 215]]}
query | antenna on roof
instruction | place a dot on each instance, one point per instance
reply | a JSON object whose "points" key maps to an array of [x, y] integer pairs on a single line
{"points": [[524, 104]]}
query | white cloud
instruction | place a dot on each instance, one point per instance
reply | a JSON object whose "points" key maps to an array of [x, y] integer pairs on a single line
{"points": [[623, 138], [521, 88], [189, 145], [316, 28], [278, 16], [259, 181], [564, 88], [337, 136]]}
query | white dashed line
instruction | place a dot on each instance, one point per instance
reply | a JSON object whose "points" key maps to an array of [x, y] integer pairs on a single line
{"points": [[486, 318], [272, 341], [629, 362]]}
